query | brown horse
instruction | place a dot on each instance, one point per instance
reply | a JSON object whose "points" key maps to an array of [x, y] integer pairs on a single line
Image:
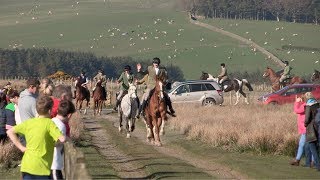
{"points": [[156, 113], [98, 98], [274, 78], [82, 94]]}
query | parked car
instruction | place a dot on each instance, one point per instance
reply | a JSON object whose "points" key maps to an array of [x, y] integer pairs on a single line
{"points": [[204, 92], [289, 93]]}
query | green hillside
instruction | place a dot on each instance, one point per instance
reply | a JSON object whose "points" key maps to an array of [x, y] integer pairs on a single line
{"points": [[139, 28]]}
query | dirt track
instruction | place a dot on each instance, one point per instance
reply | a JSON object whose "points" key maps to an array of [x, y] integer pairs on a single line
{"points": [[239, 38], [125, 164]]}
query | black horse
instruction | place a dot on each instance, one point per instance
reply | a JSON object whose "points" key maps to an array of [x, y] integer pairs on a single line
{"points": [[231, 84]]}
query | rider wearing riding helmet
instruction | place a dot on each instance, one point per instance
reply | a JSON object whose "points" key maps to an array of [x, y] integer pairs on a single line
{"points": [[150, 79], [101, 77], [286, 72], [83, 80], [125, 78], [223, 76]]}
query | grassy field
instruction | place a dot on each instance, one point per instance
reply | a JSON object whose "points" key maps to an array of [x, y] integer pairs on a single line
{"points": [[155, 27], [273, 35]]}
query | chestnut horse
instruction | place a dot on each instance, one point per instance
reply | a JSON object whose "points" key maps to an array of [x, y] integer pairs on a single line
{"points": [[274, 78], [82, 93], [98, 98], [156, 113]]}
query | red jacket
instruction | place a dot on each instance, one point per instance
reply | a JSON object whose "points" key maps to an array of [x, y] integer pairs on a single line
{"points": [[54, 112], [299, 109]]}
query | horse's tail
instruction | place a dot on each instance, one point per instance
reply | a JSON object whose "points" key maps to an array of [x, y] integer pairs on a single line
{"points": [[246, 83]]}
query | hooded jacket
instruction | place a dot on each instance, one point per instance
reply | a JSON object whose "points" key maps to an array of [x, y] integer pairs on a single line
{"points": [[310, 114], [27, 105]]}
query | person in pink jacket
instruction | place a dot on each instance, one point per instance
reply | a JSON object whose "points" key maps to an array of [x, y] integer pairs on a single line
{"points": [[299, 109]]}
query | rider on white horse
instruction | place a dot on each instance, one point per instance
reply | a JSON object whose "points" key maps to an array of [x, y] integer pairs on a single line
{"points": [[125, 79]]}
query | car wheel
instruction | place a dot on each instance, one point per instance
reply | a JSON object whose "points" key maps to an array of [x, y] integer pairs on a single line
{"points": [[208, 102]]}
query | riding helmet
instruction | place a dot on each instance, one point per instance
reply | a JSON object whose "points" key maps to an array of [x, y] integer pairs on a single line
{"points": [[286, 62], [222, 64], [127, 67], [156, 60]]}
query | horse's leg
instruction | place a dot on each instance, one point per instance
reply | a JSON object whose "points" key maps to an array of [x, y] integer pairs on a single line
{"points": [[156, 130], [245, 96], [120, 120], [238, 97], [164, 118], [128, 126]]}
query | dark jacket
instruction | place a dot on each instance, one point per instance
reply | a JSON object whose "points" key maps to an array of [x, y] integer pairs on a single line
{"points": [[139, 75], [309, 123], [2, 119], [10, 114]]}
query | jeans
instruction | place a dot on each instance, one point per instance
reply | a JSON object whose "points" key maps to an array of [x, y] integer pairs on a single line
{"points": [[31, 176], [311, 149], [302, 142]]}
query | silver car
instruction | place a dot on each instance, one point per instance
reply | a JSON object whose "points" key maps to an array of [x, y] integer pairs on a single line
{"points": [[205, 92]]}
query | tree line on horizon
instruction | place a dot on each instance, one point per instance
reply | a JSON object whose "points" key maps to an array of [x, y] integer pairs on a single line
{"points": [[44, 62], [302, 11]]}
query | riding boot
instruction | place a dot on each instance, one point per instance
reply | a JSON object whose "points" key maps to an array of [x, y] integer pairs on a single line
{"points": [[117, 104], [169, 103], [141, 108]]}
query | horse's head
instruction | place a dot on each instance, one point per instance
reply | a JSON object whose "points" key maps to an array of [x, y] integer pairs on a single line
{"points": [[315, 76], [204, 76], [159, 86], [132, 91], [99, 82], [78, 83], [267, 72]]}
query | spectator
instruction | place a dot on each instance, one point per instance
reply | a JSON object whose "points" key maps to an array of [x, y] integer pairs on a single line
{"points": [[46, 87], [299, 109], [311, 132], [10, 109], [27, 100], [3, 103], [61, 92], [41, 134], [65, 111]]}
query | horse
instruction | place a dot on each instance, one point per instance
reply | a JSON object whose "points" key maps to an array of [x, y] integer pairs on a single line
{"points": [[156, 113], [98, 98], [82, 94], [231, 84], [274, 78], [315, 77], [128, 109]]}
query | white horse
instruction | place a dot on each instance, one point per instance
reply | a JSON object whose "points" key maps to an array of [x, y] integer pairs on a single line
{"points": [[231, 84], [128, 109]]}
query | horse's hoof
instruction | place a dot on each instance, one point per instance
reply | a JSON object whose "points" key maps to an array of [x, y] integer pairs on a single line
{"points": [[157, 144], [128, 135], [161, 133], [120, 129], [148, 133]]}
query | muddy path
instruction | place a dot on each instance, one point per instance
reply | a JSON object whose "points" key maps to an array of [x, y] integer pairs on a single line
{"points": [[126, 163]]}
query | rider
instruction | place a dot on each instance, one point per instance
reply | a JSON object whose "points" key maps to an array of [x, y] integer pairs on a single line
{"points": [[223, 76], [103, 78], [125, 78], [286, 72], [150, 79], [83, 80]]}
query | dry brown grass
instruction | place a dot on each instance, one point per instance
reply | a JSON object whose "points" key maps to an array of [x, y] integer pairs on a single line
{"points": [[9, 153], [76, 127], [262, 129]]}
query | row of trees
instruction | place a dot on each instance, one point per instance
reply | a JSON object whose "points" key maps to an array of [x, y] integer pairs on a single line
{"points": [[43, 62], [285, 10]]}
